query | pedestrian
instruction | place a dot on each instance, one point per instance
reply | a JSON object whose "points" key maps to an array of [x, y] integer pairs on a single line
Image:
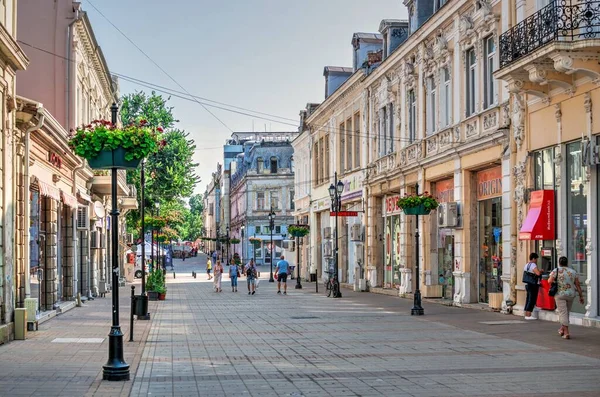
{"points": [[531, 278], [208, 268], [234, 273], [214, 256], [250, 271], [282, 269], [568, 283], [218, 276]]}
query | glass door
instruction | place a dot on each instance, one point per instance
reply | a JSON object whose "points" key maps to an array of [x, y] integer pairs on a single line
{"points": [[490, 247], [446, 262]]}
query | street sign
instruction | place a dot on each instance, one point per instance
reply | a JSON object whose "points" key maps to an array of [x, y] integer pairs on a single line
{"points": [[344, 213]]}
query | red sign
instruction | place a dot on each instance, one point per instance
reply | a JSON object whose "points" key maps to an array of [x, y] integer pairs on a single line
{"points": [[489, 183], [444, 190], [55, 160], [391, 204], [344, 213], [539, 224]]}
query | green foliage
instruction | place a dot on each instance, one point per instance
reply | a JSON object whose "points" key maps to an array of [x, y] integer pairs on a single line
{"points": [[234, 240], [156, 282], [153, 108], [196, 203], [255, 241], [139, 140], [298, 231], [425, 199]]}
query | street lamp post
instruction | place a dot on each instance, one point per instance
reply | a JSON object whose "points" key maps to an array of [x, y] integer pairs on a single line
{"points": [[417, 309], [298, 282], [335, 192], [271, 226], [115, 368], [227, 238], [143, 297]]}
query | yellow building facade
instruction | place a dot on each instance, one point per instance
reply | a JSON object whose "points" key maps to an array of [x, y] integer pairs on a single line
{"points": [[553, 78]]}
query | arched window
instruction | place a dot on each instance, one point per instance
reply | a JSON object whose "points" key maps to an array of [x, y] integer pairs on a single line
{"points": [[260, 166], [273, 165], [292, 163]]}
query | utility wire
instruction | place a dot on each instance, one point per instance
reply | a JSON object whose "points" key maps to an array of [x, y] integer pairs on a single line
{"points": [[158, 66]]}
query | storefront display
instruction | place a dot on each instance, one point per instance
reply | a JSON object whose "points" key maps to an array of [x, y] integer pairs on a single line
{"points": [[489, 196], [444, 192], [393, 247], [577, 216]]}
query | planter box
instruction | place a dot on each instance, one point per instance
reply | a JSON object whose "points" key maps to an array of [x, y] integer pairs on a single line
{"points": [[418, 210], [152, 296], [113, 159], [495, 299], [162, 297]]}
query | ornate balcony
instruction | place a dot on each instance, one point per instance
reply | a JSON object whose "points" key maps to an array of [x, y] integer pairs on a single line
{"points": [[563, 20], [102, 182], [552, 48]]}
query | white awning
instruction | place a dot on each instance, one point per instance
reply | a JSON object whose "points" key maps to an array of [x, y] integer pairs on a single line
{"points": [[69, 200], [48, 190], [83, 196]]}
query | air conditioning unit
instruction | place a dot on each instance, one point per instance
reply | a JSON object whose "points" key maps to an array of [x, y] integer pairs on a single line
{"points": [[289, 245], [356, 232], [129, 238], [447, 215], [83, 220], [359, 254], [327, 232], [95, 239], [327, 249]]}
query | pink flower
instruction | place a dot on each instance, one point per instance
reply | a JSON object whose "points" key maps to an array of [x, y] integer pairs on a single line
{"points": [[159, 129]]}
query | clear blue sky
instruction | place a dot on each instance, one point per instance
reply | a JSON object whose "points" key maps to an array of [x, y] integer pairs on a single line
{"points": [[266, 55]]}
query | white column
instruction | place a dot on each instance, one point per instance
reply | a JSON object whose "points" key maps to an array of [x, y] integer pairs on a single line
{"points": [[507, 238], [457, 73]]}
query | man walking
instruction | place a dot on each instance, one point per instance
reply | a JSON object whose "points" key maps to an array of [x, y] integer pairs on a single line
{"points": [[283, 268], [251, 273]]}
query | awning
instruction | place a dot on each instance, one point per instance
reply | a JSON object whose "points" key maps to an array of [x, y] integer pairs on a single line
{"points": [[84, 196], [539, 224], [48, 190], [69, 200]]}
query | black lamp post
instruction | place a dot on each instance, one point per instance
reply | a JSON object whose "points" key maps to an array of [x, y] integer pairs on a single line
{"points": [[417, 309], [227, 238], [115, 368], [298, 240], [335, 192], [271, 226], [143, 297]]}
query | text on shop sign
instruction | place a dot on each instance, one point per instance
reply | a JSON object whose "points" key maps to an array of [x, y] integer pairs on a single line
{"points": [[489, 183]]}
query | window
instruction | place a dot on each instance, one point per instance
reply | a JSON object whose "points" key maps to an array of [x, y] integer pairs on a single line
{"points": [[260, 166], [322, 165], [383, 131], [390, 146], [577, 196], [342, 149], [292, 164], [349, 147], [412, 116], [326, 159], [316, 164], [357, 140], [273, 165], [488, 83], [470, 81], [445, 99], [542, 3], [431, 105], [278, 229], [260, 200], [292, 204], [275, 199]]}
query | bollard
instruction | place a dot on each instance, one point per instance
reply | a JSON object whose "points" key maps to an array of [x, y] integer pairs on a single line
{"points": [[131, 315], [173, 274]]}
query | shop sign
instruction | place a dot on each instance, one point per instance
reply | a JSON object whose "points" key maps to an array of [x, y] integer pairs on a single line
{"points": [[344, 213], [55, 160], [444, 190], [489, 183], [539, 223], [391, 205]]}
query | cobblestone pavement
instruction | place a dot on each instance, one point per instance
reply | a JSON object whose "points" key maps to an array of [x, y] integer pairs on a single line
{"points": [[202, 343], [304, 344]]}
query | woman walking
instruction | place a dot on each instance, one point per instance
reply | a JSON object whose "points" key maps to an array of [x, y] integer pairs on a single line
{"points": [[234, 272], [568, 284], [532, 284], [218, 276]]}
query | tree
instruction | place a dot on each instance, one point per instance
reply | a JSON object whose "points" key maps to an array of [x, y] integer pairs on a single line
{"points": [[197, 203], [170, 172]]}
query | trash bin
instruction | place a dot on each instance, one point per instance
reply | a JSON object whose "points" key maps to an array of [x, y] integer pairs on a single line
{"points": [[141, 305], [313, 277]]}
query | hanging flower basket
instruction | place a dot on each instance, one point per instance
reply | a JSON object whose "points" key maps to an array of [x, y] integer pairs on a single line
{"points": [[106, 146], [255, 241], [234, 241], [418, 204], [298, 231]]}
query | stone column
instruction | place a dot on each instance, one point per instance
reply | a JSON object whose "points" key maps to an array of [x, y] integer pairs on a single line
{"points": [[50, 282], [68, 254]]}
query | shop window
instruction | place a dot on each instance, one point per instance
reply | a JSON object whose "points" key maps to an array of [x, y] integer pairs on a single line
{"points": [[490, 244], [577, 216], [544, 179]]}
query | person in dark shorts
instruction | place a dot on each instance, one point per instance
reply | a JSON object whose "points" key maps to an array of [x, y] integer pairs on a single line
{"points": [[251, 277], [283, 268]]}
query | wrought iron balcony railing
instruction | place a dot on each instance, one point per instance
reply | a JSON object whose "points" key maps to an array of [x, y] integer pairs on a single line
{"points": [[563, 20]]}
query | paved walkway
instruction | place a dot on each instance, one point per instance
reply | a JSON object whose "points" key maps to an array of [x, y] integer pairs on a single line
{"points": [[202, 343], [304, 344]]}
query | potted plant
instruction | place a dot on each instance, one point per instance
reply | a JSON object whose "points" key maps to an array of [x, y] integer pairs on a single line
{"points": [[106, 146], [298, 231], [155, 285], [162, 293], [421, 204]]}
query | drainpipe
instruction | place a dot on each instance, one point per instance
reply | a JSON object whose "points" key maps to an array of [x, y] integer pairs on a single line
{"points": [[76, 264], [26, 184]]}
